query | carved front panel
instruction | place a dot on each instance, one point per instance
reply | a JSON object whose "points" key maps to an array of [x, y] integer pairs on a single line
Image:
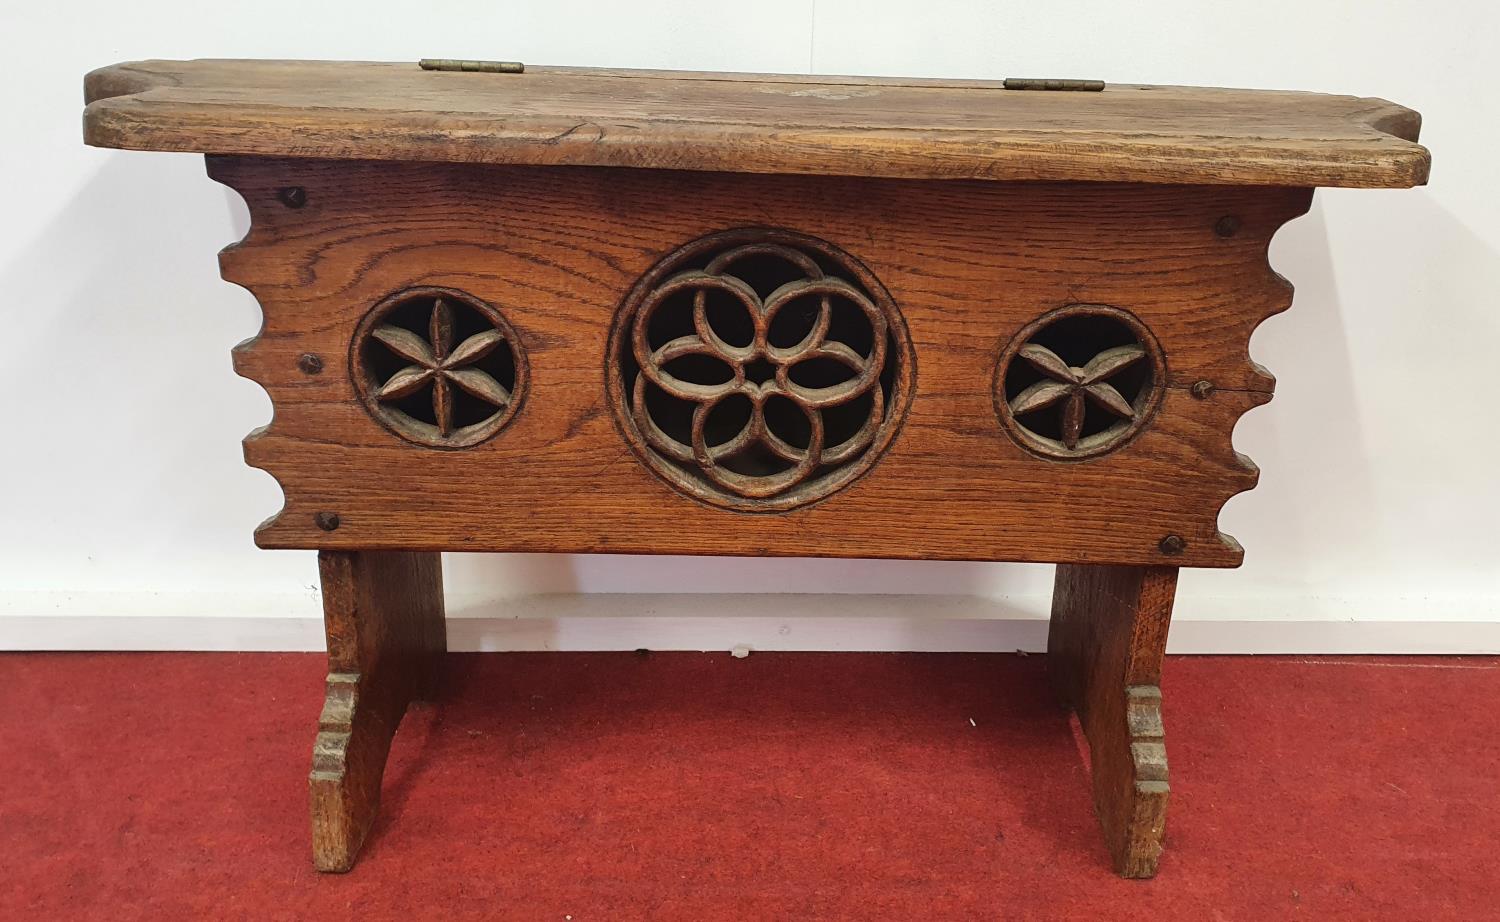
{"points": [[759, 369], [574, 359]]}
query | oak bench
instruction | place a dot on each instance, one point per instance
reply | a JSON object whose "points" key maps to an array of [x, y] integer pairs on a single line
{"points": [[574, 310]]}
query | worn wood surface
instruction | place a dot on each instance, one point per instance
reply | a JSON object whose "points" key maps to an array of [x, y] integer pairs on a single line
{"points": [[927, 129], [1104, 649], [384, 616], [969, 265]]}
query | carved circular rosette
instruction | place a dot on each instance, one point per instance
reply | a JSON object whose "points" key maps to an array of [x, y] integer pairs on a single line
{"points": [[438, 367], [759, 369], [1079, 381]]}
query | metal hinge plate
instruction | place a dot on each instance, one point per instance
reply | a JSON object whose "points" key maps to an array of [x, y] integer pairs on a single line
{"points": [[1038, 83], [477, 67]]}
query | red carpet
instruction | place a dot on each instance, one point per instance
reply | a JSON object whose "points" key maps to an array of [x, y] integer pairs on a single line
{"points": [[784, 786]]}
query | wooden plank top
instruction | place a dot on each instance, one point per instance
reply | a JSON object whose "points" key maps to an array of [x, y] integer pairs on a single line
{"points": [[755, 123]]}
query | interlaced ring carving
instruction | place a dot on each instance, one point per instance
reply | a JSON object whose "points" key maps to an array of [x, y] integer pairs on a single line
{"points": [[759, 369], [438, 367], [1079, 381]]}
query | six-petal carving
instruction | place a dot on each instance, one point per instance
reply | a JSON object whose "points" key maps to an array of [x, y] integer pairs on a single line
{"points": [[438, 367], [436, 362]]}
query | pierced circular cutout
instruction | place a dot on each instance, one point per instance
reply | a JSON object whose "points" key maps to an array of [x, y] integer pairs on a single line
{"points": [[759, 370], [1079, 382], [438, 367]]}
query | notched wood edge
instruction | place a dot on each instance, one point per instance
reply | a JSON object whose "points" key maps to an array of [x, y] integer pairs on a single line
{"points": [[330, 759], [1300, 206], [1147, 734], [1260, 396], [1148, 757], [244, 353]]}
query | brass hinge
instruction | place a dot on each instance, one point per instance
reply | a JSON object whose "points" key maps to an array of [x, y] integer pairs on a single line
{"points": [[1036, 83], [477, 67]]}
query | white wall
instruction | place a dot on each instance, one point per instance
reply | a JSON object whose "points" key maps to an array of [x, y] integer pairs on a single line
{"points": [[127, 512]]}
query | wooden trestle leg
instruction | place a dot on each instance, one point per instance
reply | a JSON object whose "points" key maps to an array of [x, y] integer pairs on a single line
{"points": [[1104, 650], [384, 615]]}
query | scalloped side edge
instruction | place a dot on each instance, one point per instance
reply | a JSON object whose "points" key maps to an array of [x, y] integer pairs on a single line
{"points": [[1274, 280], [243, 351]]}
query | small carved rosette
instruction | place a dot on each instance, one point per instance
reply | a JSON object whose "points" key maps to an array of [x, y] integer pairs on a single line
{"points": [[759, 370], [1079, 382], [438, 367]]}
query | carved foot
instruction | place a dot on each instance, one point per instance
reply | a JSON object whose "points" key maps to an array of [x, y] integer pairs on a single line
{"points": [[384, 616], [1104, 647]]}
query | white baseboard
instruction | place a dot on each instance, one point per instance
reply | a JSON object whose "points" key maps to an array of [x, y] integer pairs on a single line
{"points": [[923, 623]]}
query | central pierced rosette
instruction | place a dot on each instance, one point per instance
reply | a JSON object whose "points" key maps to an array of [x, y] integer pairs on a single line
{"points": [[759, 369]]}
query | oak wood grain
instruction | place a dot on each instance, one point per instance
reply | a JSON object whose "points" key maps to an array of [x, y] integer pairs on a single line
{"points": [[755, 123], [968, 264], [384, 617], [536, 201], [1104, 650]]}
